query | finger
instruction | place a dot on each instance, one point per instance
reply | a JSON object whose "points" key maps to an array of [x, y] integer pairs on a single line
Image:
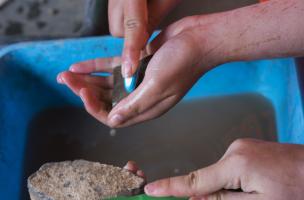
{"points": [[116, 17], [155, 111], [131, 166], [140, 173], [135, 33], [77, 81], [227, 195], [156, 43], [157, 10], [135, 104], [199, 183], [94, 106], [96, 65], [160, 84]]}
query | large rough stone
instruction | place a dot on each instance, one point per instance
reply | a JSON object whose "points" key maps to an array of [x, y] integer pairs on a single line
{"points": [[82, 180]]}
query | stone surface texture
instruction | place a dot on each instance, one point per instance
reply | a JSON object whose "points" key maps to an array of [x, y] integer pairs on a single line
{"points": [[82, 180]]}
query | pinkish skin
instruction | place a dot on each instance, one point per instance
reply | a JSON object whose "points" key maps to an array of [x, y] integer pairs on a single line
{"points": [[267, 30], [197, 44], [262, 170]]}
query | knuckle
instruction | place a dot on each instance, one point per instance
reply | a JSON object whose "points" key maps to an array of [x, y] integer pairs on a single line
{"points": [[241, 144], [133, 110], [183, 24], [189, 19], [134, 24], [192, 181], [241, 160]]}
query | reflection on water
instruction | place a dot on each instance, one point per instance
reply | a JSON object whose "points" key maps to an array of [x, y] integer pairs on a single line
{"points": [[192, 135]]}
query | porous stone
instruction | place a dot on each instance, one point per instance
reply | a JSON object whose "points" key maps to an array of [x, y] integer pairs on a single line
{"points": [[82, 180]]}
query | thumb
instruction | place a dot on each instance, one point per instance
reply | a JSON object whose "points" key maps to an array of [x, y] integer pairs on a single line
{"points": [[198, 183], [228, 195], [135, 33]]}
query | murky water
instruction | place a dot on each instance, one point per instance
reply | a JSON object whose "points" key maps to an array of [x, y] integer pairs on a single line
{"points": [[192, 135]]}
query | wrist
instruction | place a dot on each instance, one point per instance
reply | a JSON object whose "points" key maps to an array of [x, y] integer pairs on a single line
{"points": [[215, 39]]}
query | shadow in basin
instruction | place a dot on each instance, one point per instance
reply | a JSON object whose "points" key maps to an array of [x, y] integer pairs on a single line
{"points": [[192, 135]]}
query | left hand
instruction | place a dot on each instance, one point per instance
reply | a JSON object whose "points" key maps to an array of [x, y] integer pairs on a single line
{"points": [[94, 91], [261, 170]]}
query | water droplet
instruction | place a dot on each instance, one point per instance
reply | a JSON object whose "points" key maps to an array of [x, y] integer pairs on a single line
{"points": [[113, 132]]}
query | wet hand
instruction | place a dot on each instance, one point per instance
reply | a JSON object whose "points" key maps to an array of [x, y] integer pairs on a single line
{"points": [[181, 56], [261, 170]]}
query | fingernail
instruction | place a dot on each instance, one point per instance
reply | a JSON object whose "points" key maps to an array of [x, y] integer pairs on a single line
{"points": [[59, 79], [73, 68], [116, 120], [127, 69], [150, 189]]}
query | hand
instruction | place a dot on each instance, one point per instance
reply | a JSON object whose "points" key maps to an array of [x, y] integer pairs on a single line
{"points": [[176, 65], [188, 49], [261, 170], [94, 91], [136, 20]]}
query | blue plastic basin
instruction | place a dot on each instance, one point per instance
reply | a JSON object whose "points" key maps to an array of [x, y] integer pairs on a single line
{"points": [[28, 86]]}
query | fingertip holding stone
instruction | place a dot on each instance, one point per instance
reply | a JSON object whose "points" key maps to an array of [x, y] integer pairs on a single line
{"points": [[74, 68], [59, 79], [116, 120]]}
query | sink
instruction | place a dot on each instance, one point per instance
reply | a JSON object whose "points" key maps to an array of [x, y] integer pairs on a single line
{"points": [[42, 121]]}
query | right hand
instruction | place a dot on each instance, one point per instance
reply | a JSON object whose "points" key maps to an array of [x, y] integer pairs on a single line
{"points": [[182, 54], [135, 20], [249, 170]]}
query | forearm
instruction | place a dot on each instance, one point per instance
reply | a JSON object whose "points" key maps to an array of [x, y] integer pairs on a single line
{"points": [[268, 30]]}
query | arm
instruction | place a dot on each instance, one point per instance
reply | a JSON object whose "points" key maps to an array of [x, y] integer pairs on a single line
{"points": [[187, 49], [268, 30], [198, 43]]}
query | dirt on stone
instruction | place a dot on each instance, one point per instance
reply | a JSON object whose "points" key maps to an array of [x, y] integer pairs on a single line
{"points": [[82, 180]]}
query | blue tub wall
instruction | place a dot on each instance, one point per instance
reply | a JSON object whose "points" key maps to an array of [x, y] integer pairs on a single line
{"points": [[277, 80], [28, 85]]}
